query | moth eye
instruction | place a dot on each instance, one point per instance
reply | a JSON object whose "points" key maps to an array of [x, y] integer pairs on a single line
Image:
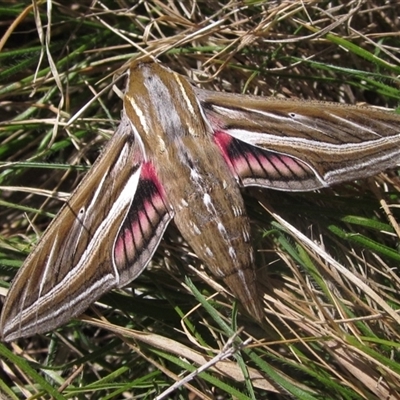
{"points": [[292, 115]]}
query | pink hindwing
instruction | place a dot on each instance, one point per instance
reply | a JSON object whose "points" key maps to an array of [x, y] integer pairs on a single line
{"points": [[143, 226]]}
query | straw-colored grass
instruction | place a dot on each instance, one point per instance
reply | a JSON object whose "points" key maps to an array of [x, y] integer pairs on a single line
{"points": [[328, 261]]}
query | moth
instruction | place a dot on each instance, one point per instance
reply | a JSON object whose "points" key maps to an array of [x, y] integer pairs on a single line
{"points": [[183, 153]]}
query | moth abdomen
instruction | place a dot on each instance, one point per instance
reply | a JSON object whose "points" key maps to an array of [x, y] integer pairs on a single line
{"points": [[213, 221]]}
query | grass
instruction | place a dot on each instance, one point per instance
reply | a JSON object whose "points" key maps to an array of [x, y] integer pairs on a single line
{"points": [[327, 260]]}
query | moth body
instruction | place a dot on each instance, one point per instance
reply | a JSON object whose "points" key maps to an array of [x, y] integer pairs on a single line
{"points": [[201, 190]]}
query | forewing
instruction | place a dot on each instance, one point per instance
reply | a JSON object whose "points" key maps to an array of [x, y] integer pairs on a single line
{"points": [[295, 145], [73, 264]]}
